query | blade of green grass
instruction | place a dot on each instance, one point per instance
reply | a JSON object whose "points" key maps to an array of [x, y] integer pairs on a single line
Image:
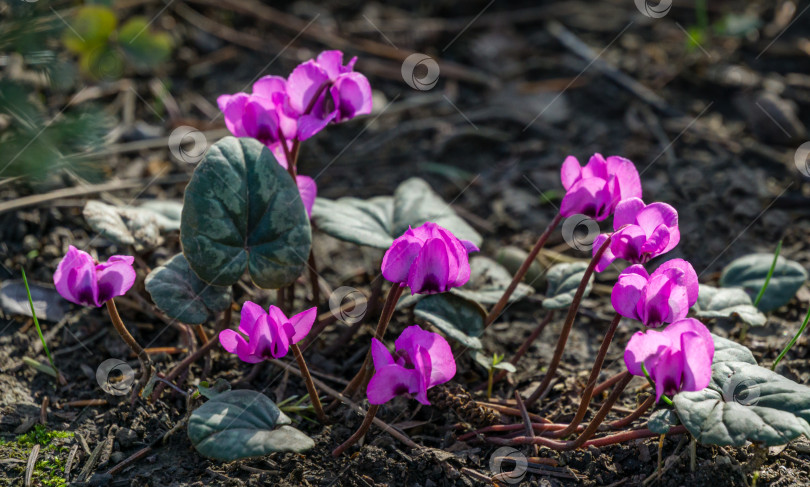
{"points": [[770, 274], [792, 341], [36, 323]]}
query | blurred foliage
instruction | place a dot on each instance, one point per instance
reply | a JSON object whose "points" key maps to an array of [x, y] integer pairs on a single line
{"points": [[39, 137], [105, 52], [741, 25]]}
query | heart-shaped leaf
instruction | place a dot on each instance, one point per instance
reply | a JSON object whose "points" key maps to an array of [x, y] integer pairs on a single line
{"points": [[90, 27], [745, 402], [727, 303], [749, 272], [363, 222], [243, 424], [563, 281], [376, 222], [458, 318], [242, 210], [726, 350], [662, 420], [183, 296], [488, 281]]}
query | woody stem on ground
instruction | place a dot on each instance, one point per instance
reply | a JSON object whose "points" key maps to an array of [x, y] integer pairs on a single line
{"points": [[143, 357], [621, 423], [182, 366], [501, 304], [583, 437], [361, 431], [313, 392], [569, 322], [385, 317], [585, 400]]}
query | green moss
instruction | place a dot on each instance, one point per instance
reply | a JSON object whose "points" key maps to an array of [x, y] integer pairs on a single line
{"points": [[50, 467]]}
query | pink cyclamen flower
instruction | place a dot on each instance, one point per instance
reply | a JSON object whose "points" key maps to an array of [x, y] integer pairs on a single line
{"points": [[79, 279], [596, 189], [642, 232], [421, 360], [677, 359], [269, 334], [429, 259], [664, 296]]}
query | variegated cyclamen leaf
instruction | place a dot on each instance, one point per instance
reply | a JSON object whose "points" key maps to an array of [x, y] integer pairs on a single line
{"points": [[456, 317], [732, 302], [243, 211], [563, 281], [749, 272]]}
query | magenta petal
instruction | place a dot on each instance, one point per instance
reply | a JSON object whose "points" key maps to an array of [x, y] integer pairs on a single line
{"points": [[380, 354], [233, 107], [656, 243], [686, 277], [443, 364], [352, 95], [588, 196], [429, 273], [607, 257], [627, 291], [662, 301], [390, 381], [234, 343], [308, 190], [626, 174], [302, 323], [332, 63], [268, 86], [698, 354], [469, 246], [666, 370], [422, 365], [75, 278], [309, 125], [570, 172], [626, 212], [304, 83], [596, 168], [399, 258], [115, 277], [641, 347], [249, 315]]}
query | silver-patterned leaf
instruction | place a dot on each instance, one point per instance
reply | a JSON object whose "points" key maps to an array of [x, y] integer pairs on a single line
{"points": [[727, 303]]}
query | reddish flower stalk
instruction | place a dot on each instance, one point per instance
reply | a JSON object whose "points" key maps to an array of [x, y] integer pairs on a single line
{"points": [[609, 382], [541, 242], [364, 374], [361, 431], [621, 423], [143, 357], [569, 322], [503, 428], [632, 435], [590, 430], [313, 392], [585, 400]]}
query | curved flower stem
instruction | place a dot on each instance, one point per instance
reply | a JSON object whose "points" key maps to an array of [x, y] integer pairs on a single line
{"points": [[589, 431], [587, 394], [385, 317], [609, 382], [526, 344], [569, 322], [632, 435], [361, 431], [313, 392], [143, 357], [621, 423], [182, 366], [499, 306]]}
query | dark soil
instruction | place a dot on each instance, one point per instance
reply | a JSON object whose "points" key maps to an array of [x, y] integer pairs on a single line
{"points": [[709, 149]]}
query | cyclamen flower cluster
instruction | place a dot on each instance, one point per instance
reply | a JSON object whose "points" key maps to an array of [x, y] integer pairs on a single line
{"points": [[282, 112], [678, 358], [81, 280]]}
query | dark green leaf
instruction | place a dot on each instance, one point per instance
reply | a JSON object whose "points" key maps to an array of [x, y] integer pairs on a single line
{"points": [[183, 296], [488, 281], [211, 391], [662, 420], [744, 402], [376, 222], [242, 210], [364, 222], [90, 27], [749, 272], [458, 318], [243, 424], [145, 48], [563, 281], [727, 303]]}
